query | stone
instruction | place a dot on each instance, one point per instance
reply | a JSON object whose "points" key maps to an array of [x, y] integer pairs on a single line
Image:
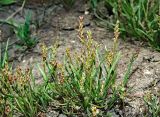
{"points": [[52, 114]]}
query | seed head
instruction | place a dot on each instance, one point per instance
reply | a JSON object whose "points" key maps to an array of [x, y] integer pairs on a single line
{"points": [[95, 111]]}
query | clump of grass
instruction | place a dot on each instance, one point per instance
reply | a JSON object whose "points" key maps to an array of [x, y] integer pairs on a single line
{"points": [[85, 82], [139, 19], [153, 105], [23, 32], [20, 94]]}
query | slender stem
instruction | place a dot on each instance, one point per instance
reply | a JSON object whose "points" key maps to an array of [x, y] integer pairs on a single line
{"points": [[0, 47], [17, 11]]}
